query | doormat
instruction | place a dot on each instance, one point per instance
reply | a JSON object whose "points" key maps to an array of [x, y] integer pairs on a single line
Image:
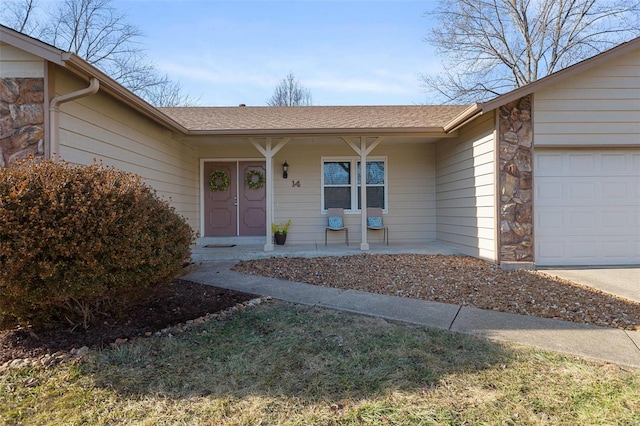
{"points": [[219, 245]]}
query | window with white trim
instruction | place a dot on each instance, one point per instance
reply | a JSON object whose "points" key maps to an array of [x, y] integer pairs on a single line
{"points": [[341, 183]]}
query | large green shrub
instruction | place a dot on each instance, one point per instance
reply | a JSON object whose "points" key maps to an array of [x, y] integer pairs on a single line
{"points": [[76, 241]]}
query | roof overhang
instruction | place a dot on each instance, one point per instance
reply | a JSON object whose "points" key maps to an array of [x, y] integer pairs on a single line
{"points": [[463, 118], [31, 45], [83, 69], [434, 132]]}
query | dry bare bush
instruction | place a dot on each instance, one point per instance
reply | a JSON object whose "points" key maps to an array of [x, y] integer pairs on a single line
{"points": [[78, 242]]}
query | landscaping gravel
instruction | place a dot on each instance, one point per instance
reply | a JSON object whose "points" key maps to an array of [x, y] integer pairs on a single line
{"points": [[459, 280]]}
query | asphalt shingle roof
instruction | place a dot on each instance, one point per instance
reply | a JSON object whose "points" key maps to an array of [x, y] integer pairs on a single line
{"points": [[313, 118]]}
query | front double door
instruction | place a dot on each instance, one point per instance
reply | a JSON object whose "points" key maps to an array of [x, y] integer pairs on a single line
{"points": [[232, 207]]}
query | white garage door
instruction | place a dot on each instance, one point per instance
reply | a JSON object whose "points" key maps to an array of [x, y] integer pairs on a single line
{"points": [[587, 207]]}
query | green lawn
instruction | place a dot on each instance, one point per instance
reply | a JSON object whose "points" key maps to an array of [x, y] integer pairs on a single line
{"points": [[280, 364]]}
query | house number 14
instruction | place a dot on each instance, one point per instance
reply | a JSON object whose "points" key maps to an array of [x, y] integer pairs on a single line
{"points": [[295, 184]]}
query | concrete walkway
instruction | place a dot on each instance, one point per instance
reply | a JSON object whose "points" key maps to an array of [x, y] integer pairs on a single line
{"points": [[624, 282], [597, 343]]}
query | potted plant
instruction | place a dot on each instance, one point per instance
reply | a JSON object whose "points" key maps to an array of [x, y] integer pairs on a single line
{"points": [[279, 231]]}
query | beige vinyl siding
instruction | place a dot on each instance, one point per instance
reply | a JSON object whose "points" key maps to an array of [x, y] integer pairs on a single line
{"points": [[99, 128], [233, 149], [412, 199], [465, 189], [17, 63], [302, 204], [598, 107]]}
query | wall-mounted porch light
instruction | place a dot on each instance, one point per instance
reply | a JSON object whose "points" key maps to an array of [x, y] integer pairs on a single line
{"points": [[285, 169]]}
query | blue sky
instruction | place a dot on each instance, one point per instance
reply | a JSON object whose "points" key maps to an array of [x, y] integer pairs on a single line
{"points": [[345, 52]]}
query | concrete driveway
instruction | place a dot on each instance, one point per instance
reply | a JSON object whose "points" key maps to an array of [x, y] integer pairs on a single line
{"points": [[623, 282]]}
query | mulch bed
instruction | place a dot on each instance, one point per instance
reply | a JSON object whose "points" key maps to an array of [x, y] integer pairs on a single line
{"points": [[171, 304], [459, 280]]}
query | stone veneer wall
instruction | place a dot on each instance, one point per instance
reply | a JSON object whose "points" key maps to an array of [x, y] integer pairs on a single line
{"points": [[515, 134], [21, 119]]}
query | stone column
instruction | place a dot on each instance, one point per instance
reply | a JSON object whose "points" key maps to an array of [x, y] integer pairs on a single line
{"points": [[515, 134], [21, 119]]}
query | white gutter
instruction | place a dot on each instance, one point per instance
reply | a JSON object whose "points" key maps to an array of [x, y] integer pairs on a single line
{"points": [[463, 118], [54, 113]]}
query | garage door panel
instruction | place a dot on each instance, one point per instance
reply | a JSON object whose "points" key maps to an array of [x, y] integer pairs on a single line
{"points": [[620, 221], [578, 163], [579, 191], [616, 249], [587, 207], [575, 191], [587, 163], [587, 251], [614, 190], [614, 162], [621, 188], [585, 221], [549, 221], [547, 164], [553, 192]]}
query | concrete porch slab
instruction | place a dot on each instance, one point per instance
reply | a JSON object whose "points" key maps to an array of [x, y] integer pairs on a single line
{"points": [[242, 251]]}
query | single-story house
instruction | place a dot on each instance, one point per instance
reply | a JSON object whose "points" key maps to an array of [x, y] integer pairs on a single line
{"points": [[548, 174]]}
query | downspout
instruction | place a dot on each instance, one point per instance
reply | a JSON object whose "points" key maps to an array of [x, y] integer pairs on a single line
{"points": [[54, 113]]}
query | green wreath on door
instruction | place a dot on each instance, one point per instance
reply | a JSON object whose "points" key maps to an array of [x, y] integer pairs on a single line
{"points": [[254, 184], [218, 181]]}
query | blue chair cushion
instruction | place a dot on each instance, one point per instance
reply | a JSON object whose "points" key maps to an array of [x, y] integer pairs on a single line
{"points": [[335, 222], [374, 222]]}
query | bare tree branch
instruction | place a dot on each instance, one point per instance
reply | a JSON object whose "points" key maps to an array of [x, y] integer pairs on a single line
{"points": [[97, 32], [290, 92], [93, 30], [19, 16], [167, 93], [493, 46]]}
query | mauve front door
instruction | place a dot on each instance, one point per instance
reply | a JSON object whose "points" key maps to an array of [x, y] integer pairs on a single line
{"points": [[253, 200], [234, 209], [220, 205]]}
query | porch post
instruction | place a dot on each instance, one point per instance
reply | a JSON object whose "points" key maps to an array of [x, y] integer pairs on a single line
{"points": [[269, 163], [363, 150], [364, 245], [268, 151]]}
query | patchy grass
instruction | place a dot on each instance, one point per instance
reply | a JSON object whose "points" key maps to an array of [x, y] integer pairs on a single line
{"points": [[290, 365]]}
